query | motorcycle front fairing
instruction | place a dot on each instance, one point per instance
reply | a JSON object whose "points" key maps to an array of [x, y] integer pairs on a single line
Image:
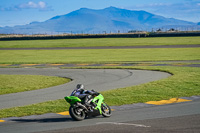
{"points": [[100, 99], [72, 99]]}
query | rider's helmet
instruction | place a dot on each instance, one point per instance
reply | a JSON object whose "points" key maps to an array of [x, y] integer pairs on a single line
{"points": [[80, 87]]}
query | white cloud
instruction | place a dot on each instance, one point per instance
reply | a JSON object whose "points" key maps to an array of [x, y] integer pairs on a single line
{"points": [[30, 4], [41, 6]]}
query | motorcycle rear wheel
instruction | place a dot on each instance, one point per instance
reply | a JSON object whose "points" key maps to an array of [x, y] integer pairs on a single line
{"points": [[77, 113]]}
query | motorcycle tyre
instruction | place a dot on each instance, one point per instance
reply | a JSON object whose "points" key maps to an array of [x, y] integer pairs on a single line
{"points": [[75, 116], [104, 113]]}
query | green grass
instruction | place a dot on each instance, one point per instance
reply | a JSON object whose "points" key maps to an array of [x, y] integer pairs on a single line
{"points": [[96, 55], [20, 83], [100, 42], [184, 82], [35, 109]]}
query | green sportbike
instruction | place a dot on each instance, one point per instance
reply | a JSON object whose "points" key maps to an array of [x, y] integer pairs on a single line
{"points": [[79, 111]]}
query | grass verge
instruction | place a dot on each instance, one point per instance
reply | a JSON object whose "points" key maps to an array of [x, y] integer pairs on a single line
{"points": [[95, 42], [184, 82], [20, 83], [96, 55]]}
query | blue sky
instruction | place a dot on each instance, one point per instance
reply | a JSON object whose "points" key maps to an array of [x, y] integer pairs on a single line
{"points": [[20, 12]]}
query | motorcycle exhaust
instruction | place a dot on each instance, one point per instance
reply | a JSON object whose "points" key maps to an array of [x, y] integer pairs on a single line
{"points": [[81, 105]]}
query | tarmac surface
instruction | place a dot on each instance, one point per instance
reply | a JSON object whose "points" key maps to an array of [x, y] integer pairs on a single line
{"points": [[186, 63], [178, 117], [97, 79], [178, 124]]}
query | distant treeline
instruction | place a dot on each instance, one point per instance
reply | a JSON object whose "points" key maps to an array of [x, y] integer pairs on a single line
{"points": [[4, 37]]}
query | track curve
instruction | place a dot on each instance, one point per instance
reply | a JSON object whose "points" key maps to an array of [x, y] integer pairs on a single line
{"points": [[148, 118], [97, 79]]}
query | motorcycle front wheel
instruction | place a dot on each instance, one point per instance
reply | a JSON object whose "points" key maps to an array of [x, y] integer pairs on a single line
{"points": [[77, 113], [106, 110]]}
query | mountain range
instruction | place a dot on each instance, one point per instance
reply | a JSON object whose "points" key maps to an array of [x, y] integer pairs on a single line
{"points": [[110, 19]]}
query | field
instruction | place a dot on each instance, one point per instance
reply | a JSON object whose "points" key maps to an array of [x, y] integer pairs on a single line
{"points": [[96, 55], [20, 83], [184, 82], [100, 42]]}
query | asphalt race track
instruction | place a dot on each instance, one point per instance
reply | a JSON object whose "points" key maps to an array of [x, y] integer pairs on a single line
{"points": [[180, 117], [97, 79]]}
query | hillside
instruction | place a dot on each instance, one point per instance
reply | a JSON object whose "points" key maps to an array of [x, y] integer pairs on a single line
{"points": [[110, 19]]}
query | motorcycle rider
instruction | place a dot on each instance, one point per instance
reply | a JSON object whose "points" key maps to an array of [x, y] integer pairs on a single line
{"points": [[84, 94]]}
